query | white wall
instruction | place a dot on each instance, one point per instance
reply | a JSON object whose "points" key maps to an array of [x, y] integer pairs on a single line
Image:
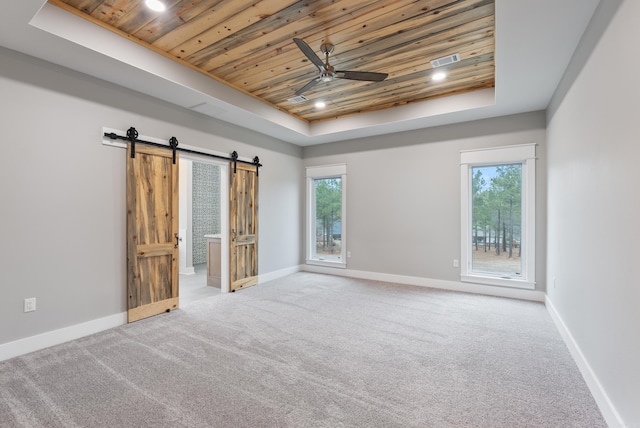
{"points": [[594, 207], [403, 194], [63, 192]]}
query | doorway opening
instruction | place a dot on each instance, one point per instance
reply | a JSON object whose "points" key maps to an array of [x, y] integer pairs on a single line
{"points": [[203, 228]]}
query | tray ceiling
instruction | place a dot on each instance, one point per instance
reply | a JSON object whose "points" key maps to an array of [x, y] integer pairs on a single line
{"points": [[249, 46]]}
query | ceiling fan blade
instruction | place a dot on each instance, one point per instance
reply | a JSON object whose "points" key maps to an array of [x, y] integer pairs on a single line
{"points": [[308, 86], [306, 49], [361, 75]]}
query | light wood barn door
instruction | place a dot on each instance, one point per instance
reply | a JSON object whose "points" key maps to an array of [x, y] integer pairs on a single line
{"points": [[243, 227], [152, 230]]}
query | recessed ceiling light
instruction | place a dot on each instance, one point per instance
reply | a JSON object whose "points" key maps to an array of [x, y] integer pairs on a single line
{"points": [[155, 5], [440, 75], [321, 104]]}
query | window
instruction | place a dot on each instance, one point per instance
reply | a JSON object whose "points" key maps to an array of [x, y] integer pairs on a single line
{"points": [[498, 216], [326, 215]]}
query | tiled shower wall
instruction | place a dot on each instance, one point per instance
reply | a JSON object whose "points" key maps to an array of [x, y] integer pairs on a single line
{"points": [[205, 209]]}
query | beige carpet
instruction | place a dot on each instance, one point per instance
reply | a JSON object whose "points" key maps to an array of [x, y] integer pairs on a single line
{"points": [[310, 350]]}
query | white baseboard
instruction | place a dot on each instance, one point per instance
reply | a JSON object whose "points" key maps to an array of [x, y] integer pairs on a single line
{"points": [[605, 405], [56, 337], [488, 290], [262, 278], [188, 271]]}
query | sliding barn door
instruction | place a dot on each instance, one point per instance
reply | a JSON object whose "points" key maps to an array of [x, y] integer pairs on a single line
{"points": [[243, 226], [152, 231]]}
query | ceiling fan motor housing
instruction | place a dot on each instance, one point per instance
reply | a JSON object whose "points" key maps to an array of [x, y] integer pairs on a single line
{"points": [[329, 74]]}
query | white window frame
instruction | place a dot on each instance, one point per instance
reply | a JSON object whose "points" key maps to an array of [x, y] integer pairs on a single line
{"points": [[318, 172], [525, 155]]}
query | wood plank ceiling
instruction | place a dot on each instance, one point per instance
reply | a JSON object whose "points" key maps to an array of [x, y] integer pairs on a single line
{"points": [[248, 45]]}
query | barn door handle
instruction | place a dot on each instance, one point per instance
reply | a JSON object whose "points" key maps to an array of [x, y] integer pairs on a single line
{"points": [[233, 234], [178, 240]]}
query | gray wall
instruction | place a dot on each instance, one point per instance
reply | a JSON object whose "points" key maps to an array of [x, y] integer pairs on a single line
{"points": [[205, 207], [403, 194], [594, 204], [63, 192]]}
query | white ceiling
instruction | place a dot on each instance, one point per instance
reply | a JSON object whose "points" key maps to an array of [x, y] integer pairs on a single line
{"points": [[535, 40]]}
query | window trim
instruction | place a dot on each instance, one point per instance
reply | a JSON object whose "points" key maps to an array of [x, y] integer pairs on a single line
{"points": [[319, 172], [524, 154]]}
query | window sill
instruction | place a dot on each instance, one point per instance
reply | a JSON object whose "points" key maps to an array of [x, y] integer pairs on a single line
{"points": [[501, 282], [327, 263]]}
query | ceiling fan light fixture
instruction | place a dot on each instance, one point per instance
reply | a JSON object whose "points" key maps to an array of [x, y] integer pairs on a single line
{"points": [[438, 76], [326, 77], [155, 5]]}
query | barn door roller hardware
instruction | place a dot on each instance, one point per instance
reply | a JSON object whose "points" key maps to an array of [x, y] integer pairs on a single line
{"points": [[234, 159], [132, 137], [173, 143], [256, 162]]}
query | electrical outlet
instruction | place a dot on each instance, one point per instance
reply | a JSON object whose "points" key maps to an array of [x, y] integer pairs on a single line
{"points": [[348, 254], [456, 263], [30, 304]]}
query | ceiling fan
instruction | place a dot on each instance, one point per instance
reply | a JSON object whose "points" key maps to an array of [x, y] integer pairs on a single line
{"points": [[327, 72]]}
